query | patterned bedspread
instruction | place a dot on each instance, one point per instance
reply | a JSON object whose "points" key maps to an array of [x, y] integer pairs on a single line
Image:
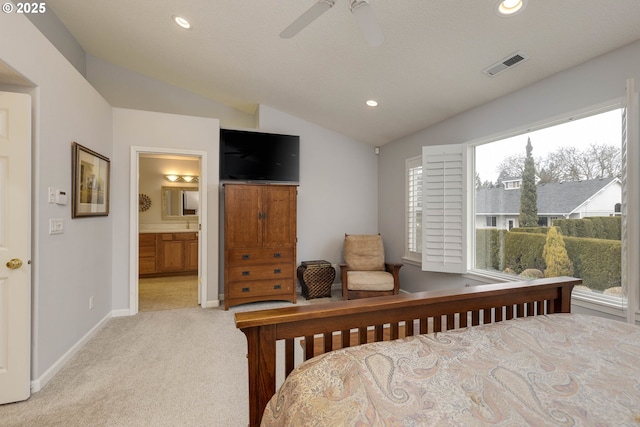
{"points": [[561, 369]]}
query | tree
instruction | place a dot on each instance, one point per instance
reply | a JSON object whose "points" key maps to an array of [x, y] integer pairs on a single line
{"points": [[528, 192], [572, 164], [568, 164], [555, 255], [511, 167]]}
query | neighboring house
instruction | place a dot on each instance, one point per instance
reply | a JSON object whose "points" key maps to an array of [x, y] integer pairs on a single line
{"points": [[500, 207]]}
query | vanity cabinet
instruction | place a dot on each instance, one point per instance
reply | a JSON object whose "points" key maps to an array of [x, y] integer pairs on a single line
{"points": [[260, 243], [146, 253], [168, 253]]}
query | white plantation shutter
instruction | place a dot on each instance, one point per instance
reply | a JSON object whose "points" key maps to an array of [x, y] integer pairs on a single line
{"points": [[444, 208], [414, 208]]}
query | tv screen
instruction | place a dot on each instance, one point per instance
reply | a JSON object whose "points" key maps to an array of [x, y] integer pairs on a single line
{"points": [[256, 156]]}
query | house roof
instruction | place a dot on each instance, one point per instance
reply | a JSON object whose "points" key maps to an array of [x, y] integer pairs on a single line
{"points": [[553, 198]]}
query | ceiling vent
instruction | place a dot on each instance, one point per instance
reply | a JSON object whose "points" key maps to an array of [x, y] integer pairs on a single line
{"points": [[506, 63]]}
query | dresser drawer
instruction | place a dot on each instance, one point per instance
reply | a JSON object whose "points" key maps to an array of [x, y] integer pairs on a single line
{"points": [[147, 238], [147, 251], [185, 236], [260, 272], [147, 265], [258, 256], [261, 288]]}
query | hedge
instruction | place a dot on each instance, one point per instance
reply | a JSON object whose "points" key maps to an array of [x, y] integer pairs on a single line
{"points": [[489, 250], [523, 251], [596, 261], [596, 227]]}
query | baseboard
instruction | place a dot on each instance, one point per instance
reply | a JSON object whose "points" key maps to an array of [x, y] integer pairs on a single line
{"points": [[39, 383], [212, 304], [123, 312]]}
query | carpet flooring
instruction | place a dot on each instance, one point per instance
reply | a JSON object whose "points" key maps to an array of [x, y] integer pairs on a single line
{"points": [[181, 367]]}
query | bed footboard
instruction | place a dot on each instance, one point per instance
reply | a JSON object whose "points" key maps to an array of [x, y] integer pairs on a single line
{"points": [[325, 327]]}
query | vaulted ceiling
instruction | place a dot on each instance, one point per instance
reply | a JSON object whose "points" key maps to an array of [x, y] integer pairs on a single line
{"points": [[429, 67]]}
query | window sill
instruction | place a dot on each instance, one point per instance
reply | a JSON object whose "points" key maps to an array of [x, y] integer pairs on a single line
{"points": [[412, 261], [588, 300], [490, 276]]}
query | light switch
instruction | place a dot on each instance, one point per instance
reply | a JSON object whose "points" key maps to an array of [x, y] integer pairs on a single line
{"points": [[52, 195], [56, 226]]}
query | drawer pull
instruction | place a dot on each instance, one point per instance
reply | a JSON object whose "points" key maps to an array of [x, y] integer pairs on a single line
{"points": [[246, 256], [277, 286], [277, 271], [246, 289], [246, 273], [277, 255]]}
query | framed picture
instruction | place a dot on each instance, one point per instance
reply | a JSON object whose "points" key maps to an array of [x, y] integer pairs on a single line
{"points": [[90, 183]]}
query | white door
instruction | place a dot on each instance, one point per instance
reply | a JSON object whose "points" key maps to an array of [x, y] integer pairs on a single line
{"points": [[15, 238]]}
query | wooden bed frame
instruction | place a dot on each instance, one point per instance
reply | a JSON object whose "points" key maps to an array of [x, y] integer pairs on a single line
{"points": [[399, 315]]}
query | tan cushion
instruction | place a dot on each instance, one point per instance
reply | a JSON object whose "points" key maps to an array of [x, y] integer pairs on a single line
{"points": [[364, 252], [369, 281]]}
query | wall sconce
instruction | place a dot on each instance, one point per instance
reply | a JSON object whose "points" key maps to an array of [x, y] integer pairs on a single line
{"points": [[181, 178]]}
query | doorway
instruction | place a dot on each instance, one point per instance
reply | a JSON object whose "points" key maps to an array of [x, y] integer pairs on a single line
{"points": [[166, 223]]}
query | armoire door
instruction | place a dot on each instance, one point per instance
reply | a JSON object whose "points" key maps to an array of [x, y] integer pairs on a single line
{"points": [[279, 217]]}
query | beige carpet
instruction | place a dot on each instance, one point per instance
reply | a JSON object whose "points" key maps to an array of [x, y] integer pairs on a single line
{"points": [[184, 367], [166, 293]]}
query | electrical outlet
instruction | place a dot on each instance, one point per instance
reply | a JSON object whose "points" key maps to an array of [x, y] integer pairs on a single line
{"points": [[91, 303]]}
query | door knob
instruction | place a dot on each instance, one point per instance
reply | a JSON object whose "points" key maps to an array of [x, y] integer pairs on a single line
{"points": [[14, 264]]}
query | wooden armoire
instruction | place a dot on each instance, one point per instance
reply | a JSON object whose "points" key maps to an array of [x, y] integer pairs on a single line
{"points": [[259, 243]]}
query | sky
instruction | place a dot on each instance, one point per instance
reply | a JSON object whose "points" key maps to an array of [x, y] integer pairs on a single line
{"points": [[603, 128]]}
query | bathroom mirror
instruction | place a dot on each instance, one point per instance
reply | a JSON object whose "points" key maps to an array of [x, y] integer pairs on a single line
{"points": [[180, 202]]}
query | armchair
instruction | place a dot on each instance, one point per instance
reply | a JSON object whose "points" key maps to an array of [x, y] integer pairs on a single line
{"points": [[365, 272]]}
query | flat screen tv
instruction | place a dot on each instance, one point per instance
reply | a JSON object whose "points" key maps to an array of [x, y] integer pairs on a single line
{"points": [[256, 156]]}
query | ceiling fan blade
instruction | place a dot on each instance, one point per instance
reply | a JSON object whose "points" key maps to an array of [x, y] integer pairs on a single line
{"points": [[367, 21], [307, 18]]}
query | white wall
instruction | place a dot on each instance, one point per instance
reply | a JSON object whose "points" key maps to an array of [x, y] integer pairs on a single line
{"points": [[160, 130], [71, 267], [338, 190], [603, 203], [598, 81]]}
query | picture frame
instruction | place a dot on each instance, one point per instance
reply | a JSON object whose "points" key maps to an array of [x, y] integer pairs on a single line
{"points": [[90, 174]]}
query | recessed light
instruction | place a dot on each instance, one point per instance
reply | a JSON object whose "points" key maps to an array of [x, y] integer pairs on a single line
{"points": [[372, 103], [182, 22], [510, 7]]}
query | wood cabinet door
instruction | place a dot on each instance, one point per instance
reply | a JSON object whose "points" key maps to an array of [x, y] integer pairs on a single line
{"points": [[171, 256], [279, 216], [243, 216], [191, 251]]}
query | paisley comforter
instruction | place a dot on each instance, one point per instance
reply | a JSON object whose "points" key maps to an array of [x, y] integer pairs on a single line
{"points": [[560, 369]]}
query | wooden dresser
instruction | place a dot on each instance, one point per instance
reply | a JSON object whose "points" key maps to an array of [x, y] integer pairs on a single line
{"points": [[259, 243], [163, 254]]}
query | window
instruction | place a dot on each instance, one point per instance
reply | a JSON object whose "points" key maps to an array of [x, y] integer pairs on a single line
{"points": [[574, 171], [458, 239], [413, 245], [491, 221]]}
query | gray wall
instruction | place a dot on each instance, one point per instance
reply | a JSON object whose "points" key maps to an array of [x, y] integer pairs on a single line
{"points": [[595, 82], [49, 25], [170, 131], [127, 89], [338, 192], [71, 267]]}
